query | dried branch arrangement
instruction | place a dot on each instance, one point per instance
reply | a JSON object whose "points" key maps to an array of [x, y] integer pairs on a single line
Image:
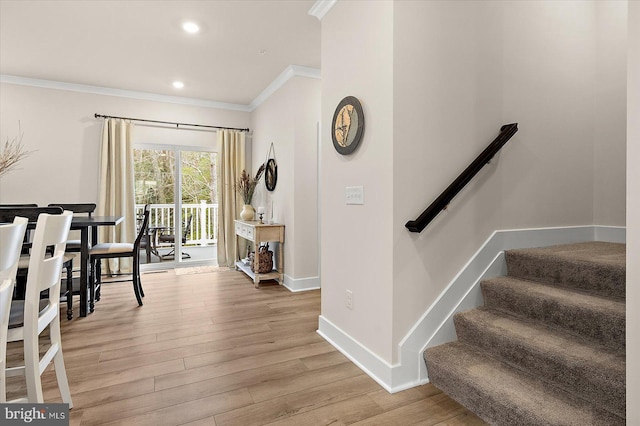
{"points": [[246, 185], [12, 153]]}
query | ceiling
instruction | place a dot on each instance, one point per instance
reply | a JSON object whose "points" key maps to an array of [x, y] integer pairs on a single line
{"points": [[140, 45]]}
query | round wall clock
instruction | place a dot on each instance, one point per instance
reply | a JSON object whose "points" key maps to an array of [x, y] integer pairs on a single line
{"points": [[347, 128]]}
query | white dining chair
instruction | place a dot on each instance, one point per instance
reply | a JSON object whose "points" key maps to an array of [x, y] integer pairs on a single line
{"points": [[6, 292], [11, 238], [33, 315]]}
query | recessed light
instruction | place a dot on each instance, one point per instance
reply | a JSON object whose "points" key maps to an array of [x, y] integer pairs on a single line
{"points": [[178, 84], [190, 27]]}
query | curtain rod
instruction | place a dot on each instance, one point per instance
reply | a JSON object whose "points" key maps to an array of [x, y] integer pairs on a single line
{"points": [[169, 122]]}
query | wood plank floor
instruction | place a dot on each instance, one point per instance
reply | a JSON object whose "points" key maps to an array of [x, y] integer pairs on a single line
{"points": [[209, 349]]}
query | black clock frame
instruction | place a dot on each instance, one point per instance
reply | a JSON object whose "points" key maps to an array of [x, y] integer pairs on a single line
{"points": [[349, 149]]}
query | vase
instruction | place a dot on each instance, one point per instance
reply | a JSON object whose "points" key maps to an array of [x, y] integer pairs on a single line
{"points": [[247, 212]]}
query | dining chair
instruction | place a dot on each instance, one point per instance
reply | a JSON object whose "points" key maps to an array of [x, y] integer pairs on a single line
{"points": [[74, 246], [9, 211], [6, 292], [17, 205], [32, 213], [171, 238], [30, 317], [11, 237], [119, 250]]}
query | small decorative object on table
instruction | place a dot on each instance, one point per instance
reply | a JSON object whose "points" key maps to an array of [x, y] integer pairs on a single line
{"points": [[265, 259], [245, 186], [261, 213], [247, 212]]}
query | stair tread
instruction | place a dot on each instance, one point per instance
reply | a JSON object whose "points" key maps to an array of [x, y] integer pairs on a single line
{"points": [[587, 315], [501, 394], [594, 371], [547, 339], [596, 267], [566, 296], [594, 252], [560, 295]]}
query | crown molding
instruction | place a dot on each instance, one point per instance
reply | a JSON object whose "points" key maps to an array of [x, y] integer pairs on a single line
{"points": [[107, 91], [321, 8], [288, 73]]}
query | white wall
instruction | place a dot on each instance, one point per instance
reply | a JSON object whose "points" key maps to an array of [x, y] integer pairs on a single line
{"points": [[461, 70], [633, 215], [289, 119], [448, 107], [59, 126], [611, 118], [357, 247]]}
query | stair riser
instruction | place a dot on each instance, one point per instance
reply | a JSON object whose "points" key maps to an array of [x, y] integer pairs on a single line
{"points": [[587, 381], [605, 280], [606, 328]]}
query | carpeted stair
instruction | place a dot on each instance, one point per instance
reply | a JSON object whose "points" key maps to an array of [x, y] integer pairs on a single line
{"points": [[548, 346]]}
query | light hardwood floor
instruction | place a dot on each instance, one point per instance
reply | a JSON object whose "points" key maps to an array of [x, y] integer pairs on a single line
{"points": [[209, 349]]}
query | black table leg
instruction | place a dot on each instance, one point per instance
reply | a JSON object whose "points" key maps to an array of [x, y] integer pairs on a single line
{"points": [[84, 268], [148, 247]]}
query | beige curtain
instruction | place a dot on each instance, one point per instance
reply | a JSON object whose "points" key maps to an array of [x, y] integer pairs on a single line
{"points": [[231, 162], [117, 194]]}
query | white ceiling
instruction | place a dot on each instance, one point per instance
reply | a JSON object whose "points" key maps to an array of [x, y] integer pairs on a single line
{"points": [[140, 45]]}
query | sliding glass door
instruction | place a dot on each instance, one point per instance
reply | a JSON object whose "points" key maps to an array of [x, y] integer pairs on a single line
{"points": [[180, 185]]}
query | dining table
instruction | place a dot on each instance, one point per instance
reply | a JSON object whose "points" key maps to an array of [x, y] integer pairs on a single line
{"points": [[89, 225]]}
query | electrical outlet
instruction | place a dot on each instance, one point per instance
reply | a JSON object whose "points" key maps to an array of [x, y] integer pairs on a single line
{"points": [[349, 300]]}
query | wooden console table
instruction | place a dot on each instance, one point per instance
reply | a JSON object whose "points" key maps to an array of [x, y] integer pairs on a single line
{"points": [[257, 233]]}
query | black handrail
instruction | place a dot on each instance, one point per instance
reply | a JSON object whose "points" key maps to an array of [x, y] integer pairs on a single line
{"points": [[441, 203]]}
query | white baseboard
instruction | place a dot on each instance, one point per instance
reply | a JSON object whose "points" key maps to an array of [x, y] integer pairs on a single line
{"points": [[301, 284], [463, 292], [377, 368]]}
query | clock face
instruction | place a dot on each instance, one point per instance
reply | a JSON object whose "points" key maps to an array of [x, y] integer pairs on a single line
{"points": [[348, 125]]}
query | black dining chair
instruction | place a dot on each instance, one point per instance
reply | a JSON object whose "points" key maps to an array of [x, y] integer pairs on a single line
{"points": [[7, 214], [118, 250]]}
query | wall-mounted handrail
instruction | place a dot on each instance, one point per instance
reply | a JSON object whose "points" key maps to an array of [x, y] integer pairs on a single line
{"points": [[441, 203]]}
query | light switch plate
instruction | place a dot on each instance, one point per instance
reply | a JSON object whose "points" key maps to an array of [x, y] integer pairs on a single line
{"points": [[355, 194]]}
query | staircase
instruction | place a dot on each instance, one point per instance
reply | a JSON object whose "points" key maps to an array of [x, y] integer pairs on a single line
{"points": [[548, 346]]}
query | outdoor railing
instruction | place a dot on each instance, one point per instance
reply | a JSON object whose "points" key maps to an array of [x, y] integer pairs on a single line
{"points": [[204, 222]]}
